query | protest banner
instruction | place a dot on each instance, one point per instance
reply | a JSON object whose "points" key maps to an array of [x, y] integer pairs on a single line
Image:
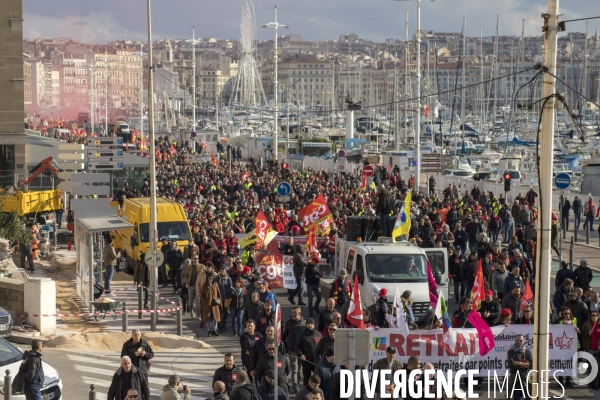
{"points": [[278, 270], [430, 346]]}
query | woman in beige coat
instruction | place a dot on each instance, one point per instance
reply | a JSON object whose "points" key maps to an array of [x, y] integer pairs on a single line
{"points": [[211, 300], [192, 275]]}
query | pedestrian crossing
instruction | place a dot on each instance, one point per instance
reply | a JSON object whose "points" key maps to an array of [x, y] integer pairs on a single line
{"points": [[196, 369]]}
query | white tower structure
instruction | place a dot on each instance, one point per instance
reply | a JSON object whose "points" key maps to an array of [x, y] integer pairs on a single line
{"points": [[248, 89]]}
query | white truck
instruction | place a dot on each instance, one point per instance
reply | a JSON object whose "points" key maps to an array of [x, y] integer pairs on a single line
{"points": [[385, 264]]}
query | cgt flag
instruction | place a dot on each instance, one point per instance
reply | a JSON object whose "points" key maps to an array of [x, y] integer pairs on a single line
{"points": [[478, 291], [314, 213], [311, 242], [262, 227], [527, 295], [355, 311]]}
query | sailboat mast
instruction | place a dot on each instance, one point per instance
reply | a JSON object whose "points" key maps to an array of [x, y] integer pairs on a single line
{"points": [[462, 91], [495, 71]]}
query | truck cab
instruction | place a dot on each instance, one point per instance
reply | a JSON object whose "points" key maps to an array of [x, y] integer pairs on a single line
{"points": [[381, 265]]}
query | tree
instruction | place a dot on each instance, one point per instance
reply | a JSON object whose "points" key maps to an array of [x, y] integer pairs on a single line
{"points": [[12, 227]]}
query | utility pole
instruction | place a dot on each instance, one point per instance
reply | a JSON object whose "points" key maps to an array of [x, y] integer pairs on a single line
{"points": [[106, 91], [142, 92], [153, 237], [544, 259], [418, 97], [193, 42], [275, 26]]}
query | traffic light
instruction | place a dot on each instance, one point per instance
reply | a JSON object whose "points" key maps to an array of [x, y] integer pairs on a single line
{"points": [[507, 181], [285, 171]]}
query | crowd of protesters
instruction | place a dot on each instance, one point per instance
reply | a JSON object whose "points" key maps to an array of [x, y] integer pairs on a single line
{"points": [[216, 278]]}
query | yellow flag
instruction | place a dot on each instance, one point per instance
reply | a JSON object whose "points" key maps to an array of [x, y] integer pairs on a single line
{"points": [[403, 222]]}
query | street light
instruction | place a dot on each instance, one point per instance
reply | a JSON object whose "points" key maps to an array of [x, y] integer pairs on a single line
{"points": [[275, 26], [193, 42]]}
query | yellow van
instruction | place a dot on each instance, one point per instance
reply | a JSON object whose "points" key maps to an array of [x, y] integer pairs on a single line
{"points": [[171, 221]]}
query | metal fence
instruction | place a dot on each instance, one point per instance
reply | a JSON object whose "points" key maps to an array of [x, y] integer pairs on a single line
{"points": [[8, 178]]}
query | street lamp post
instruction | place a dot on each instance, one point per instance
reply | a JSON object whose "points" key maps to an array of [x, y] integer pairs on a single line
{"points": [[275, 26], [193, 42], [141, 54], [153, 237]]}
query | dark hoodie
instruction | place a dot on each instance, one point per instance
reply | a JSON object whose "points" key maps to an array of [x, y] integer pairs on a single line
{"points": [[306, 343], [34, 376], [326, 370]]}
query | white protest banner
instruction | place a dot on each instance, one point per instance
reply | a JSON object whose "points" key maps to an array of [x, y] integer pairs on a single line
{"points": [[429, 346]]}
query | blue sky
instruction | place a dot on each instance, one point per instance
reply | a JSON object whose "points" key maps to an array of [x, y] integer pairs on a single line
{"points": [[101, 21]]}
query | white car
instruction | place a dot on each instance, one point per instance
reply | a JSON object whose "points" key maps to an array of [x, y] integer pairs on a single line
{"points": [[458, 172], [10, 358]]}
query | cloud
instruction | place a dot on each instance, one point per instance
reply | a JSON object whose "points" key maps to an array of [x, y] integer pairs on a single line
{"points": [[107, 20]]}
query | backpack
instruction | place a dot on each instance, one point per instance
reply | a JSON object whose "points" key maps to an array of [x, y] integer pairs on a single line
{"points": [[18, 383]]}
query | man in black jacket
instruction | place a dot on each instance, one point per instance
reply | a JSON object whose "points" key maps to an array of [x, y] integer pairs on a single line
{"points": [[326, 316], [384, 207], [247, 341], [326, 342], [468, 271], [139, 351], [455, 264], [266, 364], [127, 377], [578, 309], [175, 259], [227, 373], [313, 281], [583, 275], [299, 270], [305, 348], [490, 308], [260, 348], [292, 328], [34, 375]]}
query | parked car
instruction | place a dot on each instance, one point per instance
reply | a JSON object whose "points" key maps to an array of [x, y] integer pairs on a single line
{"points": [[458, 172], [11, 357], [5, 323]]}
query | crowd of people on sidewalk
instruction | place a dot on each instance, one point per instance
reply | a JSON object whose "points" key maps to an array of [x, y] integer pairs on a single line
{"points": [[217, 278]]}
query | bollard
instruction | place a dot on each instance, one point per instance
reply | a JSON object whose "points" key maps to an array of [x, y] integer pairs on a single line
{"points": [[179, 318], [575, 232], [140, 300], [587, 234], [92, 392], [571, 254], [69, 246], [7, 385], [125, 327]]}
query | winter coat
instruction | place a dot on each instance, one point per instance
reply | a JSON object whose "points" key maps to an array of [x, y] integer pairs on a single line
{"points": [[514, 304], [382, 309], [175, 259], [583, 276], [227, 376], [510, 283], [247, 342], [299, 265], [562, 275], [109, 256], [34, 375], [325, 343], [141, 362], [237, 296], [266, 393], [264, 321], [579, 310], [244, 391], [312, 274], [208, 294], [169, 393], [559, 298], [325, 318], [498, 280], [138, 382], [190, 279], [577, 207], [225, 285], [493, 307], [283, 369], [252, 311], [325, 370], [258, 351], [291, 331], [306, 343]]}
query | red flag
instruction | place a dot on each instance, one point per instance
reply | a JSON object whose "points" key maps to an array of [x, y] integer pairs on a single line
{"points": [[311, 242], [527, 295], [388, 167], [478, 291], [158, 154], [426, 110], [363, 184], [213, 159], [245, 176], [486, 336], [262, 227], [173, 151], [314, 213], [355, 311]]}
